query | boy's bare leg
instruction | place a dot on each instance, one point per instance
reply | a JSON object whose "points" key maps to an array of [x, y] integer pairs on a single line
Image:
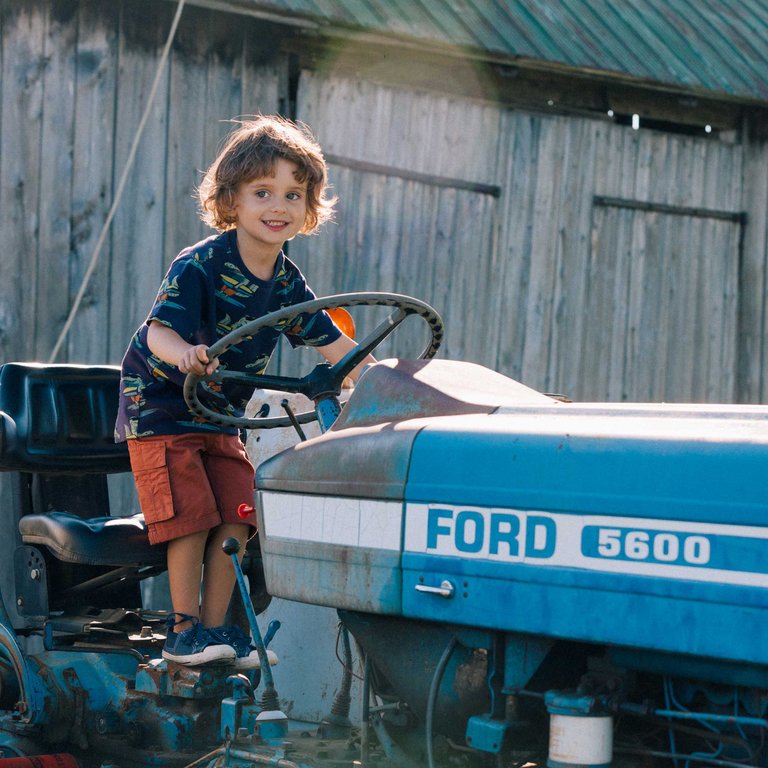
{"points": [[219, 575], [185, 561]]}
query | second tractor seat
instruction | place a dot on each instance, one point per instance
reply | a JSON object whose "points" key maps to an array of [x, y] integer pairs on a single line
{"points": [[112, 541]]}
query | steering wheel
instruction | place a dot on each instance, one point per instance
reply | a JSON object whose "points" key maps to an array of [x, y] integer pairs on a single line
{"points": [[325, 380]]}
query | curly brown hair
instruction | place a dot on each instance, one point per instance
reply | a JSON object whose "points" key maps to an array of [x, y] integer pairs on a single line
{"points": [[250, 152]]}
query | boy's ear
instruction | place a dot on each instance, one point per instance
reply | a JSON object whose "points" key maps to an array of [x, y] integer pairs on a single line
{"points": [[310, 223], [228, 203]]}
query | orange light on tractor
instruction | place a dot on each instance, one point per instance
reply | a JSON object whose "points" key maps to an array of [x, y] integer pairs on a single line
{"points": [[343, 321]]}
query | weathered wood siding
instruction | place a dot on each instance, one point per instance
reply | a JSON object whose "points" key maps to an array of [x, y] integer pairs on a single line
{"points": [[75, 81], [608, 265], [577, 255]]}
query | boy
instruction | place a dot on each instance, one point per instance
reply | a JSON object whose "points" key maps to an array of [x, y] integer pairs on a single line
{"points": [[267, 185]]}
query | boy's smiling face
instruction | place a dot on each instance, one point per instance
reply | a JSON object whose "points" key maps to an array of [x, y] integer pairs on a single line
{"points": [[269, 211]]}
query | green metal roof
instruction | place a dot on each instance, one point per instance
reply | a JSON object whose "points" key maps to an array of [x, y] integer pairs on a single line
{"points": [[702, 45]]}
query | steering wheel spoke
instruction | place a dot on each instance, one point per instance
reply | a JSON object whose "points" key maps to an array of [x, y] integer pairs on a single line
{"points": [[354, 357], [324, 378], [259, 380]]}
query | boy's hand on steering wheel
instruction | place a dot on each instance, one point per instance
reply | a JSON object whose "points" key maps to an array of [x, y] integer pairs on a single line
{"points": [[195, 360]]}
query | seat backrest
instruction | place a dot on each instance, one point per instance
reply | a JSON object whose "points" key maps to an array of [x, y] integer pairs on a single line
{"points": [[59, 419], [57, 443]]}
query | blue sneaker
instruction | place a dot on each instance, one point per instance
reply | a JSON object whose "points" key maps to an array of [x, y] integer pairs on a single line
{"points": [[246, 655], [194, 646]]}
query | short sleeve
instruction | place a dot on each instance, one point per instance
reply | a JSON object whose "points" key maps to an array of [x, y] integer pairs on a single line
{"points": [[180, 302], [311, 329]]}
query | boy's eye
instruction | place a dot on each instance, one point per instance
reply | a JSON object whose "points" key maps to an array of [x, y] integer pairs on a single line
{"points": [[294, 196], [262, 193]]}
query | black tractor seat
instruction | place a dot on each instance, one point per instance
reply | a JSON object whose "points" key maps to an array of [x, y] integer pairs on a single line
{"points": [[57, 446], [113, 541]]}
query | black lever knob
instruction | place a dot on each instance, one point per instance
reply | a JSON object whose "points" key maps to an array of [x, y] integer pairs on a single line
{"points": [[231, 546]]}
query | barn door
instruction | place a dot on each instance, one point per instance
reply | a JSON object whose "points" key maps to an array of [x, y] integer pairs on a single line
{"points": [[417, 211], [661, 298]]}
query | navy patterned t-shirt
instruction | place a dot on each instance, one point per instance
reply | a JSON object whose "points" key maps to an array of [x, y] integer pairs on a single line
{"points": [[208, 292]]}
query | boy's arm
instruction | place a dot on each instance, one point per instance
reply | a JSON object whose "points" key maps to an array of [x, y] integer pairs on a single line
{"points": [[171, 348], [334, 351]]}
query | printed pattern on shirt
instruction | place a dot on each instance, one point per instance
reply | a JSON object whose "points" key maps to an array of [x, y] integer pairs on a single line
{"points": [[207, 293]]}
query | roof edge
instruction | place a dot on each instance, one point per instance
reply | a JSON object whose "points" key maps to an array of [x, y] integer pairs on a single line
{"points": [[327, 29]]}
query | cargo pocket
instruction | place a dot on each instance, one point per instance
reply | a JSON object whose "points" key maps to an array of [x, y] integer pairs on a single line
{"points": [[152, 482]]}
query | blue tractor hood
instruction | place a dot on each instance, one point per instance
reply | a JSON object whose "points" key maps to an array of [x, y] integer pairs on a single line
{"points": [[459, 433], [368, 450], [446, 492]]}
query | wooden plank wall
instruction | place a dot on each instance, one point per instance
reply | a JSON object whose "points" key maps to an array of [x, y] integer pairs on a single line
{"points": [[75, 80], [608, 266], [433, 239], [493, 215], [752, 381]]}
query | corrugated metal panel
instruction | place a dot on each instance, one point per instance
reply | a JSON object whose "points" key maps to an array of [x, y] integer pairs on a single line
{"points": [[712, 45]]}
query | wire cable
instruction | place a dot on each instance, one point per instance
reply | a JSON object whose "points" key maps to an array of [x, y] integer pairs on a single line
{"points": [[437, 678]]}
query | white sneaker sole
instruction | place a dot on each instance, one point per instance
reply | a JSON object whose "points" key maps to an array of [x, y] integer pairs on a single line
{"points": [[252, 661], [222, 654]]}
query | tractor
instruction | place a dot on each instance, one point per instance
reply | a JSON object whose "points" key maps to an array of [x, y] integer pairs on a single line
{"points": [[519, 579]]}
